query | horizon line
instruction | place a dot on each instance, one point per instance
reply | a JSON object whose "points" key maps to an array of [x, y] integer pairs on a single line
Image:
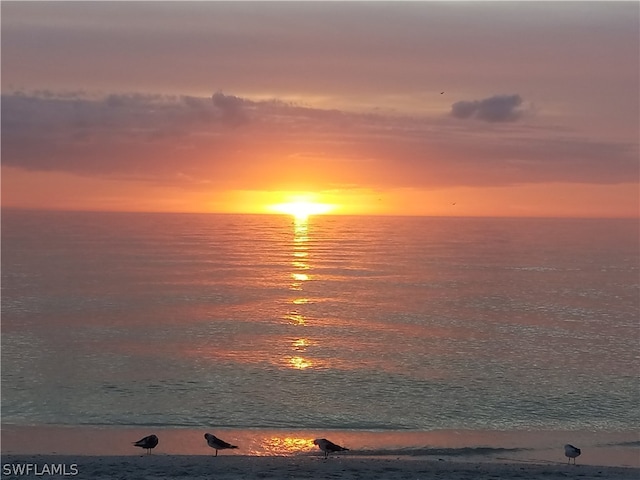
{"points": [[279, 214]]}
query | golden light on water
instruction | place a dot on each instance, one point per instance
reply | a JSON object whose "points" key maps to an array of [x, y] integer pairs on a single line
{"points": [[300, 363], [300, 344], [297, 361], [287, 445], [300, 277], [300, 229], [295, 318], [300, 253], [300, 266]]}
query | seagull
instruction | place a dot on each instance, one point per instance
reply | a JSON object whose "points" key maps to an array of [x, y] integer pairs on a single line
{"points": [[327, 447], [571, 452], [147, 442], [218, 444]]}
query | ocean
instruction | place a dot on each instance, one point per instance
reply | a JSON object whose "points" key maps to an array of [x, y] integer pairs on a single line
{"points": [[331, 323]]}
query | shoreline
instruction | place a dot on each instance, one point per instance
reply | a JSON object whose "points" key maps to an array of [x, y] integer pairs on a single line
{"points": [[607, 449], [242, 467]]}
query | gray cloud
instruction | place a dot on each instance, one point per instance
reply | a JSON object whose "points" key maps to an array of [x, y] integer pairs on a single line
{"points": [[162, 138], [499, 108], [233, 108]]}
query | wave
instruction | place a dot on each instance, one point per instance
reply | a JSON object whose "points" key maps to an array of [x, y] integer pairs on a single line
{"points": [[635, 443], [436, 452]]}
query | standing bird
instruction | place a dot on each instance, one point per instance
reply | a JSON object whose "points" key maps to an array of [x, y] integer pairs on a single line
{"points": [[147, 442], [327, 447], [216, 443], [571, 452]]}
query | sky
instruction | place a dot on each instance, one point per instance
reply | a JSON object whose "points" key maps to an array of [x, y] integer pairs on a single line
{"points": [[404, 108]]}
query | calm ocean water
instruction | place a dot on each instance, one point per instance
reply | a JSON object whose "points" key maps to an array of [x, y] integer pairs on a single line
{"points": [[360, 323]]}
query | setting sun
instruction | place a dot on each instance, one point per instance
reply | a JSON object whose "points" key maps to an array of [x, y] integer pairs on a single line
{"points": [[302, 208]]}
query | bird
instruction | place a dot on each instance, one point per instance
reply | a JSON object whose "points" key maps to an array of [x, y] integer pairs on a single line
{"points": [[327, 446], [148, 442], [441, 93], [571, 452], [216, 443]]}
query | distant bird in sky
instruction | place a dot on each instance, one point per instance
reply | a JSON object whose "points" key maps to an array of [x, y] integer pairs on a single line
{"points": [[571, 452], [147, 442], [441, 93], [216, 443], [327, 447]]}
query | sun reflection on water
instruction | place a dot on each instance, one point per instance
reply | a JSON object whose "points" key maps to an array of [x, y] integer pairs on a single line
{"points": [[295, 318], [300, 363], [286, 445], [300, 344], [300, 228], [300, 266]]}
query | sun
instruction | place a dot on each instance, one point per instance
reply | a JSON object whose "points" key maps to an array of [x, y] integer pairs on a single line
{"points": [[301, 208]]}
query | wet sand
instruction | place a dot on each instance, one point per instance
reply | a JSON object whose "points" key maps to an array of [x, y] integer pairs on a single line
{"points": [[241, 467], [108, 453]]}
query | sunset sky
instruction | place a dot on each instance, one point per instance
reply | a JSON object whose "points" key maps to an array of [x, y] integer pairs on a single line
{"points": [[404, 108]]}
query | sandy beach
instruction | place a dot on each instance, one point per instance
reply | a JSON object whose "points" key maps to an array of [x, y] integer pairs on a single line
{"points": [[240, 467], [108, 453]]}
